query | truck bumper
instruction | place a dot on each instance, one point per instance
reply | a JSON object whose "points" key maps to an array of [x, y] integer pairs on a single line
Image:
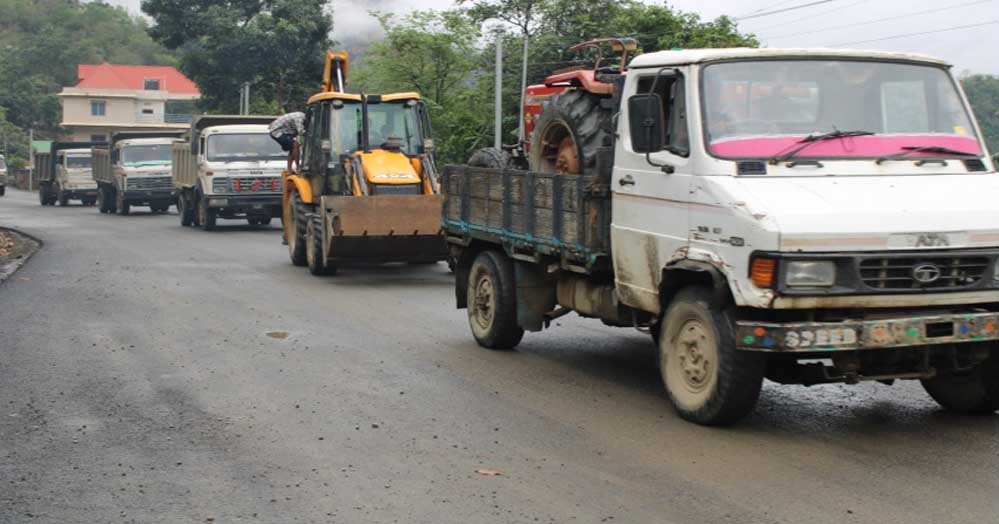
{"points": [[852, 335], [264, 204], [145, 195], [77, 194]]}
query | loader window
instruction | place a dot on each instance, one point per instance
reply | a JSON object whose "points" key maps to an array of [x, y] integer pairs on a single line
{"points": [[395, 120]]}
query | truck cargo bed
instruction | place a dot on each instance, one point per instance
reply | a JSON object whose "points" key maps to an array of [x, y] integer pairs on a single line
{"points": [[565, 216]]}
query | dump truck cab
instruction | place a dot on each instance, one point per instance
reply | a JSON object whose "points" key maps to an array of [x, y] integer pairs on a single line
{"points": [[231, 168], [368, 187], [134, 170], [65, 173]]}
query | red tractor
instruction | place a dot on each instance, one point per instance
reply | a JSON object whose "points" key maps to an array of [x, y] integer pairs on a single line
{"points": [[568, 118]]}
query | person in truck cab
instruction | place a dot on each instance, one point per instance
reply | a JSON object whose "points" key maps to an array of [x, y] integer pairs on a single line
{"points": [[285, 130]]}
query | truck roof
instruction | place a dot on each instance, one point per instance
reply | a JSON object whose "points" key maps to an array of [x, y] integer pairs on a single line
{"points": [[235, 128], [696, 56]]}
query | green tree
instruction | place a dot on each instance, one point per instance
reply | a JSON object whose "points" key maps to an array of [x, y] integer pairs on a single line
{"points": [[983, 94], [275, 45]]}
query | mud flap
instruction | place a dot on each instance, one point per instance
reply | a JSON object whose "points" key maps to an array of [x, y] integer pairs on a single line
{"points": [[535, 295], [397, 228]]}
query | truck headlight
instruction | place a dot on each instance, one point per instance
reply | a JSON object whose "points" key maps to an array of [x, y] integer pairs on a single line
{"points": [[803, 273]]}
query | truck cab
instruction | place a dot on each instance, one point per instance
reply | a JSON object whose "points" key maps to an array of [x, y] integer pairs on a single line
{"points": [[73, 177], [135, 171], [230, 169], [804, 215]]}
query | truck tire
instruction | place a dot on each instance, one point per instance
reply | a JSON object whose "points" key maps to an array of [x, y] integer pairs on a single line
{"points": [[185, 209], [207, 216], [975, 393], [43, 198], [707, 379], [265, 221], [62, 197], [296, 230], [492, 302], [3, 190], [314, 248], [571, 128], [490, 157]]}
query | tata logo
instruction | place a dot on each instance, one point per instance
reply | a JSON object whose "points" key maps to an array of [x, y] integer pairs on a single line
{"points": [[926, 273], [931, 240]]}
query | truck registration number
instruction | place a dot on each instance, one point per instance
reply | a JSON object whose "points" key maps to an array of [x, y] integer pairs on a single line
{"points": [[806, 338]]}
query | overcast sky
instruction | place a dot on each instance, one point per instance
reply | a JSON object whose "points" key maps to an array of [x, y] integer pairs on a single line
{"points": [[968, 48]]}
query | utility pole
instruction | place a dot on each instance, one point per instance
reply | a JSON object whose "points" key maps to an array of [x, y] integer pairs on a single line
{"points": [[244, 99], [498, 126], [523, 89], [31, 159]]}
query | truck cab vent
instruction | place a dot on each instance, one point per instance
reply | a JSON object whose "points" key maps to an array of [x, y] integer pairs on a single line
{"points": [[747, 167], [974, 164]]}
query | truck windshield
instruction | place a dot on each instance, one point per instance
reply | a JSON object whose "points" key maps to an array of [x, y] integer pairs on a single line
{"points": [[243, 147], [385, 120], [77, 162], [152, 154], [763, 109]]}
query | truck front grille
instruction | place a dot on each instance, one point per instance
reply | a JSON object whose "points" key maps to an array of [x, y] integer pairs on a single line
{"points": [[148, 183], [250, 184], [929, 272]]}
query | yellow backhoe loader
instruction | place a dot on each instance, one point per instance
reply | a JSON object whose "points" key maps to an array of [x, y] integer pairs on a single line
{"points": [[367, 189]]}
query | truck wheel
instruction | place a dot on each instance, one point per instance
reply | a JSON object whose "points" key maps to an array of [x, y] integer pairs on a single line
{"points": [[207, 216], [490, 157], [265, 221], [569, 132], [707, 379], [42, 196], [492, 302], [295, 230], [185, 209], [121, 205], [62, 197], [975, 393], [314, 248], [3, 190]]}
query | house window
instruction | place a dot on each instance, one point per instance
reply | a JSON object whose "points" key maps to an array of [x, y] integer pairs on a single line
{"points": [[98, 107], [98, 139], [147, 111], [151, 84]]}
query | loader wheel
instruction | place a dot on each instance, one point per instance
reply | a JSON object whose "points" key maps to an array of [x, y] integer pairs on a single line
{"points": [[975, 393], [295, 229], [185, 209], [314, 248], [569, 131], [492, 302], [490, 157], [707, 379]]}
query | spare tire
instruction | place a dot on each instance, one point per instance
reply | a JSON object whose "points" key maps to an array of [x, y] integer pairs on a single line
{"points": [[572, 127], [490, 157]]}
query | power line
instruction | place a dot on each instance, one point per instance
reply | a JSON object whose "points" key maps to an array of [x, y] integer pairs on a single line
{"points": [[784, 10], [764, 8], [868, 22], [813, 15], [914, 34]]}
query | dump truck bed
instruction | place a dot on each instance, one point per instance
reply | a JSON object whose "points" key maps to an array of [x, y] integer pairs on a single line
{"points": [[183, 167], [532, 215], [102, 170]]}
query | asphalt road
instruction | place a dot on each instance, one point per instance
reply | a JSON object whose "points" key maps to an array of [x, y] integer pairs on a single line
{"points": [[143, 378]]}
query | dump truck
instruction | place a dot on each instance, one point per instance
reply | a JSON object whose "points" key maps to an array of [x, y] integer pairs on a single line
{"points": [[808, 216], [65, 173], [3, 175], [228, 168], [134, 170], [367, 189]]}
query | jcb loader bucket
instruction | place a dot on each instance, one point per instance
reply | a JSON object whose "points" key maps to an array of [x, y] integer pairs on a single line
{"points": [[393, 228]]}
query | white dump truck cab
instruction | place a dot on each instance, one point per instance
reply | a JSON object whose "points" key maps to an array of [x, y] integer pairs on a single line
{"points": [[3, 175], [804, 215], [135, 171], [74, 177], [230, 169]]}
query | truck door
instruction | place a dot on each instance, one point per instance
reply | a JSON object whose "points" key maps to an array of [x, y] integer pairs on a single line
{"points": [[651, 189]]}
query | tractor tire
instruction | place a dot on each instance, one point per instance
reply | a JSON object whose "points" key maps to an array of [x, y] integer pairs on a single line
{"points": [[974, 393], [490, 157], [185, 209], [572, 127], [492, 302], [296, 230], [707, 379], [314, 248], [207, 216]]}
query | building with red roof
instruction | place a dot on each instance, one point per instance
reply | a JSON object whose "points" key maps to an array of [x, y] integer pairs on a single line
{"points": [[113, 97]]}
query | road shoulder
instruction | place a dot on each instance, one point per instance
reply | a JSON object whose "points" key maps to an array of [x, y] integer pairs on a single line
{"points": [[15, 250]]}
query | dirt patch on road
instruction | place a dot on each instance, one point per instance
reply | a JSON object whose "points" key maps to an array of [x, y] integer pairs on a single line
{"points": [[15, 250]]}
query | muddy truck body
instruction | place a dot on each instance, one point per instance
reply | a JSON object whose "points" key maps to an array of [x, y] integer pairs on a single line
{"points": [[229, 168], [65, 173], [805, 216], [134, 170]]}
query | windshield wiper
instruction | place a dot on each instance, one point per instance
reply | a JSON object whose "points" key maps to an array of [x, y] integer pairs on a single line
{"points": [[812, 139], [910, 150]]}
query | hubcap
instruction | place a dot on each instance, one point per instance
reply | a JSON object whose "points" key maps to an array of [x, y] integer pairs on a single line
{"points": [[484, 302], [694, 354]]}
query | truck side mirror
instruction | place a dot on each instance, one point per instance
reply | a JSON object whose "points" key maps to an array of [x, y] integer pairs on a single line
{"points": [[645, 117]]}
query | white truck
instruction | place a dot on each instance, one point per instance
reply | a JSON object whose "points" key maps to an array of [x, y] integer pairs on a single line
{"points": [[229, 168], [65, 173], [134, 170], [3, 175], [803, 215]]}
